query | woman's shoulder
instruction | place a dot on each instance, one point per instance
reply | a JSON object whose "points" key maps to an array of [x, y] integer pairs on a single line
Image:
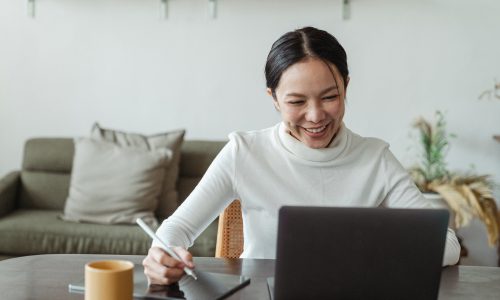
{"points": [[253, 136], [367, 143]]}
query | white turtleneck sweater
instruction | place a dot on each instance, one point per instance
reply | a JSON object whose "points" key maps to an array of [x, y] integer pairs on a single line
{"points": [[268, 168]]}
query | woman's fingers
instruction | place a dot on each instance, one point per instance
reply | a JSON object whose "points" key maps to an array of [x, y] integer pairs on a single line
{"points": [[163, 275], [161, 268], [185, 256], [159, 255]]}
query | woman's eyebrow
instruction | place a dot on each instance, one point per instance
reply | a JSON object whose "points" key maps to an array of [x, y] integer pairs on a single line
{"points": [[294, 95], [329, 89]]}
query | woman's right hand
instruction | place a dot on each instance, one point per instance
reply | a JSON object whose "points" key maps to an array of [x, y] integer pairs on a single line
{"points": [[161, 268]]}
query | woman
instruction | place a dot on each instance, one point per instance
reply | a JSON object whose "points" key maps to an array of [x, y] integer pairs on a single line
{"points": [[310, 158]]}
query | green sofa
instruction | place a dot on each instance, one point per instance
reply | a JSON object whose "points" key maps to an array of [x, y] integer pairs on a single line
{"points": [[32, 199]]}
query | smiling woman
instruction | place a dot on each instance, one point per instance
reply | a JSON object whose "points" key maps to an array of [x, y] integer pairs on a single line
{"points": [[311, 102], [310, 158], [306, 85]]}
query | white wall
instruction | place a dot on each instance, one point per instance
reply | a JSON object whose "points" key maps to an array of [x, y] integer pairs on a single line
{"points": [[118, 62]]}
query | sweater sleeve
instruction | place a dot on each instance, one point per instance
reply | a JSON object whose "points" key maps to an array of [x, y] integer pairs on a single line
{"points": [[214, 192], [402, 193]]}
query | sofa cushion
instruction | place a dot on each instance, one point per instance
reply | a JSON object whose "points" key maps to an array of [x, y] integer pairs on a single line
{"points": [[43, 190], [2, 257], [170, 140], [196, 158], [185, 186], [112, 184], [204, 245], [46, 173], [9, 184], [48, 154], [27, 232]]}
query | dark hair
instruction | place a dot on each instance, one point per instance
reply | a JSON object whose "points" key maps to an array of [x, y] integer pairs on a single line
{"points": [[296, 45]]}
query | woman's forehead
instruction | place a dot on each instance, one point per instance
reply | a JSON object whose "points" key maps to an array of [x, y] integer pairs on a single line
{"points": [[311, 74]]}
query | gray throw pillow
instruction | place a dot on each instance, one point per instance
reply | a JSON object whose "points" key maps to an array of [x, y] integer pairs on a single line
{"points": [[168, 140], [111, 184]]}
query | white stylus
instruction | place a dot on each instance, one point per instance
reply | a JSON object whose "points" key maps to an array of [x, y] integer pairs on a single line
{"points": [[170, 252]]}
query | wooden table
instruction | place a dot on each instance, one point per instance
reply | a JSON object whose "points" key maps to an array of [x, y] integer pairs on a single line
{"points": [[48, 276]]}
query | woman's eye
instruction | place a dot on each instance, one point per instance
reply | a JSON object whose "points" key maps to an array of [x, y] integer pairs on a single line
{"points": [[331, 97], [296, 102]]}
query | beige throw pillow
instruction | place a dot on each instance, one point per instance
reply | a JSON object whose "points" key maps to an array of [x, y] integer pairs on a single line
{"points": [[112, 184], [169, 140]]}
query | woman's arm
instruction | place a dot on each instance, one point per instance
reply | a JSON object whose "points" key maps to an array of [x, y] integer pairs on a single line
{"points": [[214, 192], [403, 193]]}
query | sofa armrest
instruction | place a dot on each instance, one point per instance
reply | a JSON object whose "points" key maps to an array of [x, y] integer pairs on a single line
{"points": [[8, 192]]}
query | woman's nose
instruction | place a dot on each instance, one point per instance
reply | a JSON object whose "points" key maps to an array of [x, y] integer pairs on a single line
{"points": [[315, 113]]}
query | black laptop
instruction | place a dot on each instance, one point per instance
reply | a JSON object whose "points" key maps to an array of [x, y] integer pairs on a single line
{"points": [[359, 253]]}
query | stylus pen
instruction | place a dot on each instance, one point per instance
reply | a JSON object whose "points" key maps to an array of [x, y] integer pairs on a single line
{"points": [[170, 252]]}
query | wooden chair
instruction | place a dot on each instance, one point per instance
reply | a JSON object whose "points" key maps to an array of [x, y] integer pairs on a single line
{"points": [[230, 232]]}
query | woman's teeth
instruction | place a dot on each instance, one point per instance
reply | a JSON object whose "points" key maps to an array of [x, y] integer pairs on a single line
{"points": [[315, 130]]}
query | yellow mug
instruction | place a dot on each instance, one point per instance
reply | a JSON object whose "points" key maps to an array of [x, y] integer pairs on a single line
{"points": [[109, 280]]}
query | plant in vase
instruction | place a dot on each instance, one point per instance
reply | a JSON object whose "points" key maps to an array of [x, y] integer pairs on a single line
{"points": [[467, 195]]}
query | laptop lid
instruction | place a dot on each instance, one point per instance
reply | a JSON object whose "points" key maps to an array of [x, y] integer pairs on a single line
{"points": [[359, 253]]}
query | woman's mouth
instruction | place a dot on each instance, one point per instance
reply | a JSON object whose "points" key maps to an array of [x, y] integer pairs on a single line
{"points": [[316, 131]]}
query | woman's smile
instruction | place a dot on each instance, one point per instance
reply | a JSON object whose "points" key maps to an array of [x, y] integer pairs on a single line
{"points": [[316, 131]]}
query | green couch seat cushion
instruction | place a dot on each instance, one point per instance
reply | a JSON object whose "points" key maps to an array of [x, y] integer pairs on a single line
{"points": [[27, 232]]}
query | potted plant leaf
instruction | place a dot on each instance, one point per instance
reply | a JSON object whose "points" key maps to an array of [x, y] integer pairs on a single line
{"points": [[467, 195]]}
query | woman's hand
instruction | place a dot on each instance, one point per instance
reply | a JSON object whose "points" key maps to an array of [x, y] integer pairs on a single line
{"points": [[161, 268]]}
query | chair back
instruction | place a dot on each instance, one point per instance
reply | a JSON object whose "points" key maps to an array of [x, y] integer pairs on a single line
{"points": [[230, 232]]}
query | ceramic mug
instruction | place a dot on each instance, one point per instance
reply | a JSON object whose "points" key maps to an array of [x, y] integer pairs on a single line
{"points": [[109, 280]]}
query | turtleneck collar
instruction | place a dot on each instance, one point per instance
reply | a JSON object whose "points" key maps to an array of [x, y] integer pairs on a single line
{"points": [[300, 150]]}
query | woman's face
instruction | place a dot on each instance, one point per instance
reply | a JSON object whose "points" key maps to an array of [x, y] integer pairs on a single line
{"points": [[310, 97]]}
